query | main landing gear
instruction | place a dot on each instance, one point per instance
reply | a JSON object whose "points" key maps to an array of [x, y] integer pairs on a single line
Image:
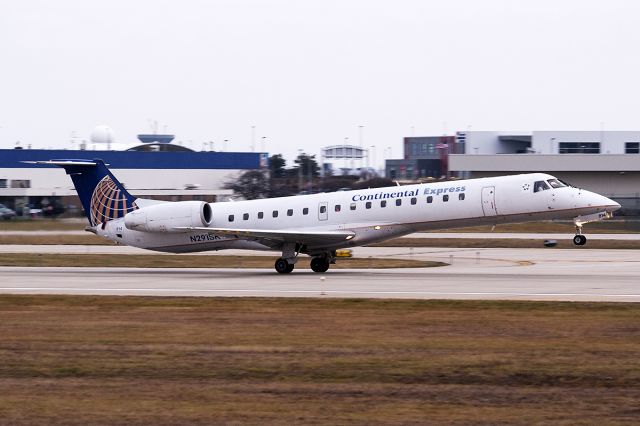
{"points": [[320, 262], [283, 266], [286, 263]]}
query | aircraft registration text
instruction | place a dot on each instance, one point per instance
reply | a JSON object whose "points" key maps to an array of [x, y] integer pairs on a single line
{"points": [[204, 237]]}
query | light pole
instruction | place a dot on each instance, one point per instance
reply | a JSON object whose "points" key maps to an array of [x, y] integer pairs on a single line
{"points": [[224, 147], [373, 158], [262, 143], [253, 138], [344, 151], [300, 169], [310, 170], [360, 136]]}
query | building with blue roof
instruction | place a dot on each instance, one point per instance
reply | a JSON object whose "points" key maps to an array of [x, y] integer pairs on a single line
{"points": [[166, 171]]}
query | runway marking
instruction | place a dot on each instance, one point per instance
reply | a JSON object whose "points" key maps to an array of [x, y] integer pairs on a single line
{"points": [[318, 291]]}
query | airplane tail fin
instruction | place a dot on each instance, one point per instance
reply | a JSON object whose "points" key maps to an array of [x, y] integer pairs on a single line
{"points": [[102, 195]]}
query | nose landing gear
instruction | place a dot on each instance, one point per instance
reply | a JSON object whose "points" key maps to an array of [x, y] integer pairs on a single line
{"points": [[580, 239]]}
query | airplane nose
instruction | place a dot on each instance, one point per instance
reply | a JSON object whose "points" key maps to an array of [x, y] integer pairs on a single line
{"points": [[614, 206], [609, 204], [601, 201]]}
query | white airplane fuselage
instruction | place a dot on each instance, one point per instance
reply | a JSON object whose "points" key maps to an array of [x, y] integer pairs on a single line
{"points": [[421, 207]]}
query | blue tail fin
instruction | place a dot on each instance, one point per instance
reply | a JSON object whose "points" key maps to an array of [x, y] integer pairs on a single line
{"points": [[102, 196]]}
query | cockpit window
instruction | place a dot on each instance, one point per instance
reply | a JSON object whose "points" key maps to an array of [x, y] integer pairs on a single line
{"points": [[555, 183], [540, 186]]}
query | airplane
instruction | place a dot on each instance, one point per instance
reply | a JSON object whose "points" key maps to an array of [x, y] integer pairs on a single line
{"points": [[319, 224]]}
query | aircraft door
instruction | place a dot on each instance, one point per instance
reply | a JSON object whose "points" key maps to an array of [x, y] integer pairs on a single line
{"points": [[323, 210], [489, 201]]}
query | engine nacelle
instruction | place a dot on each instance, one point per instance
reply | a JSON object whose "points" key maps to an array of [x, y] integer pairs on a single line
{"points": [[165, 217]]}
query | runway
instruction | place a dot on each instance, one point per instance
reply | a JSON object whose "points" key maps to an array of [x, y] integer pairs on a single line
{"points": [[513, 274]]}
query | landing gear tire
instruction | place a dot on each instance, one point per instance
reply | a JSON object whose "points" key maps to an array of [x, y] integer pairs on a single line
{"points": [[283, 267], [579, 240], [319, 264]]}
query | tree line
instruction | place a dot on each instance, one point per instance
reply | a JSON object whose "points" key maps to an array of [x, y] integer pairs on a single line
{"points": [[303, 177]]}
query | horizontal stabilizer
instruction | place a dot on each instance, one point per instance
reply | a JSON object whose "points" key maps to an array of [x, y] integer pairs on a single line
{"points": [[63, 163]]}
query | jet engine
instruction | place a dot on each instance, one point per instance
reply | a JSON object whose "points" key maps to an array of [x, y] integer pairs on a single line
{"points": [[165, 217]]}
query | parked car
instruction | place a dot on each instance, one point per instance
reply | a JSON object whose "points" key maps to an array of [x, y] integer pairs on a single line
{"points": [[6, 213]]}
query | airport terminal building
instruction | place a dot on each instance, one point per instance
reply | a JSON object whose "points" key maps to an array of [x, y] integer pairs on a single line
{"points": [[172, 175], [607, 162]]}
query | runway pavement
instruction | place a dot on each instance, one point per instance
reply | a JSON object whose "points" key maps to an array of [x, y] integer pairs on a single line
{"points": [[515, 274]]}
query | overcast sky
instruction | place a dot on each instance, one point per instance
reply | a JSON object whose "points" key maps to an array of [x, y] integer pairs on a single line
{"points": [[306, 74]]}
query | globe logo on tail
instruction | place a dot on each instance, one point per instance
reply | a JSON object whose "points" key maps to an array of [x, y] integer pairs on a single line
{"points": [[108, 202]]}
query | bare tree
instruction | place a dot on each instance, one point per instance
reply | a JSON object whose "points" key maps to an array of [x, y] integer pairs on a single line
{"points": [[252, 184]]}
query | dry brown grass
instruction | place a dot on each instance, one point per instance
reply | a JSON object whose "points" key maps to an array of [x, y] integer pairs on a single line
{"points": [[128, 360], [43, 225], [193, 261], [506, 243], [87, 240], [497, 242], [564, 227]]}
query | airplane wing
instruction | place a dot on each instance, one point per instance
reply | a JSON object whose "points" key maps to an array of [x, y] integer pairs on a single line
{"points": [[271, 237]]}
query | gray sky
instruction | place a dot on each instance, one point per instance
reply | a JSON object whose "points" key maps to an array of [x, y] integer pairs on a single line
{"points": [[308, 73]]}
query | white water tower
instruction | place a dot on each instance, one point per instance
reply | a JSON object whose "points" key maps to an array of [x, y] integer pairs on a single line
{"points": [[102, 135]]}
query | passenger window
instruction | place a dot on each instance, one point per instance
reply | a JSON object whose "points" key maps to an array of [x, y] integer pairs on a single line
{"points": [[414, 200], [383, 203], [540, 186], [290, 212], [305, 210], [275, 213], [555, 183], [429, 199], [352, 206], [230, 218], [323, 209], [368, 205], [337, 208], [260, 215], [399, 202], [445, 198], [461, 196], [245, 216]]}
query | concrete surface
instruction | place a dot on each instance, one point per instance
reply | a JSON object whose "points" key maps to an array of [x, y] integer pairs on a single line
{"points": [[515, 274]]}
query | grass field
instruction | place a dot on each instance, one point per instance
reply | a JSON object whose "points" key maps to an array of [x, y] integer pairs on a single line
{"points": [[497, 242], [127, 360], [507, 243]]}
